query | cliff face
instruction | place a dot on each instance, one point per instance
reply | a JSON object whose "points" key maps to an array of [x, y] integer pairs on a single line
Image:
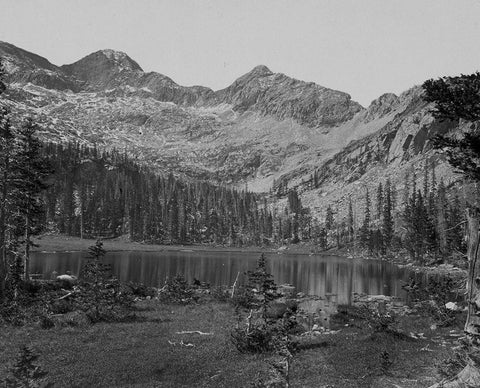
{"points": [[264, 129]]}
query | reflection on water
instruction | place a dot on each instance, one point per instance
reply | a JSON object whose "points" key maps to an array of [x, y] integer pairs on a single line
{"points": [[316, 275]]}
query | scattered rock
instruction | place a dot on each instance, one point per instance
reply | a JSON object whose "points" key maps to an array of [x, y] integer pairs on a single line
{"points": [[314, 312], [452, 306]]}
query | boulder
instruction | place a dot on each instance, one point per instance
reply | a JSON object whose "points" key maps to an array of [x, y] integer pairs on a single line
{"points": [[67, 280], [452, 306]]}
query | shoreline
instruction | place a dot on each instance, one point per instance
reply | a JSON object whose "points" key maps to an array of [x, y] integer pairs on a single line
{"points": [[61, 243], [50, 243]]}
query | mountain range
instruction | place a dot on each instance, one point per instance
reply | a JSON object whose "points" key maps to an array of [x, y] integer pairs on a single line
{"points": [[265, 130]]}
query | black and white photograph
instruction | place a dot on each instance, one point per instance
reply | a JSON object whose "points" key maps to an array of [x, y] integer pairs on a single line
{"points": [[240, 193]]}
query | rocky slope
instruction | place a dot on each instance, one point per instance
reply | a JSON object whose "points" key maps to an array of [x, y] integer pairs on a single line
{"points": [[284, 97], [263, 129]]}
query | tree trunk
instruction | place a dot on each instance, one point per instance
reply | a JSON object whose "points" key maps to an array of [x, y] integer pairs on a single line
{"points": [[472, 326], [469, 377]]}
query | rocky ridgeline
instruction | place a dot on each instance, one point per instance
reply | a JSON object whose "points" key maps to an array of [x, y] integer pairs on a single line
{"points": [[284, 97], [265, 127], [114, 71], [259, 90]]}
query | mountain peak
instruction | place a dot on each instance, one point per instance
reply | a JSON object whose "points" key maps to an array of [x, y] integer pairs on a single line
{"points": [[261, 70], [102, 68], [118, 59]]}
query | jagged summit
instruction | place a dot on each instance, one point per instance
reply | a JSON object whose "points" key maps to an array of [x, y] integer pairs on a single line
{"points": [[100, 68], [113, 58], [284, 97], [382, 105], [121, 59], [260, 70]]}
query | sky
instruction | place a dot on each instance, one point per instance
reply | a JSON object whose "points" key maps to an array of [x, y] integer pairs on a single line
{"points": [[362, 47]]}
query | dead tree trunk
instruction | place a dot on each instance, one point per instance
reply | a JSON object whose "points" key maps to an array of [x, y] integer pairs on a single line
{"points": [[469, 377]]}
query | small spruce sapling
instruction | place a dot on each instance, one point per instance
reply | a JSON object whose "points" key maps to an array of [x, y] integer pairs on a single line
{"points": [[25, 373], [101, 292], [262, 286]]}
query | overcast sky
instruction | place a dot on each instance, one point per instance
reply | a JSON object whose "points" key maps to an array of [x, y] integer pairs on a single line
{"points": [[362, 47]]}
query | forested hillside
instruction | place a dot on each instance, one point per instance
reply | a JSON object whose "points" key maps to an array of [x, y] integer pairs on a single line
{"points": [[105, 194]]}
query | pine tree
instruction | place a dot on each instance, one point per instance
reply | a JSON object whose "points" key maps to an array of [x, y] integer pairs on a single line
{"points": [[329, 220], [387, 225], [6, 149], [30, 182], [365, 230], [441, 219], [455, 99], [379, 201], [455, 221], [25, 373], [350, 221]]}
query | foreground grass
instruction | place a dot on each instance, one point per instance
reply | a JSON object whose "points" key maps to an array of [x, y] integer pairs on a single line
{"points": [[140, 354]]}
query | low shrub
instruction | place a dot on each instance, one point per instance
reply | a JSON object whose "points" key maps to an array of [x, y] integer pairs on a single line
{"points": [[140, 290], [452, 365], [221, 293], [254, 339], [430, 299], [385, 362], [243, 298], [177, 290], [381, 321]]}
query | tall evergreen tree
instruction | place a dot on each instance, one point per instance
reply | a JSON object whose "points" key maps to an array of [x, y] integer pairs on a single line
{"points": [[455, 99], [441, 219], [350, 221], [387, 225], [30, 182], [379, 201], [6, 148], [329, 220], [365, 229]]}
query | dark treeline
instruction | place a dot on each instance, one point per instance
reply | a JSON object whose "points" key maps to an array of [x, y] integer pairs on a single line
{"points": [[427, 222], [106, 194]]}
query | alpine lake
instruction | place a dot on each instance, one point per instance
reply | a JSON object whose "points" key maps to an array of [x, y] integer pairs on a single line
{"points": [[319, 274]]}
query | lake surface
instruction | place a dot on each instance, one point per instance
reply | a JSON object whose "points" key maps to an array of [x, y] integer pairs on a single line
{"points": [[314, 275]]}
